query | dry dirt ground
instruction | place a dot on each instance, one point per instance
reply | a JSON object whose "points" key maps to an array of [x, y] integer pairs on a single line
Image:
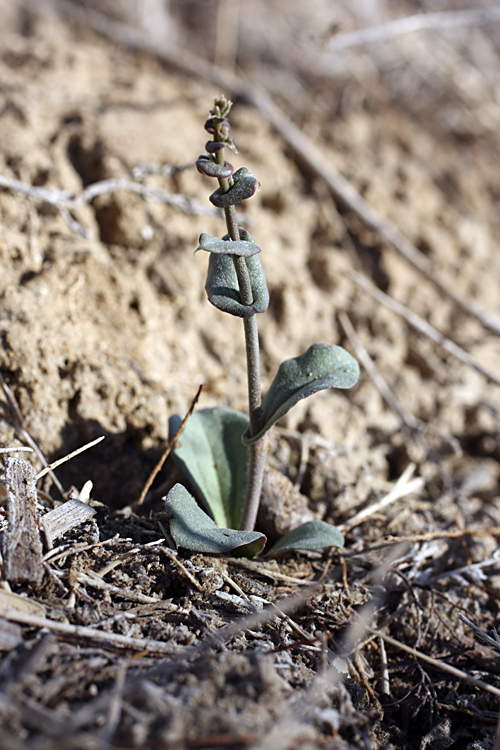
{"points": [[105, 330]]}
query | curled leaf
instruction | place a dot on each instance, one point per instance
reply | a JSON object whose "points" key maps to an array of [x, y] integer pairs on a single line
{"points": [[243, 248], [210, 168], [223, 289], [244, 186], [191, 528], [211, 454], [213, 147], [311, 535], [216, 124], [321, 367]]}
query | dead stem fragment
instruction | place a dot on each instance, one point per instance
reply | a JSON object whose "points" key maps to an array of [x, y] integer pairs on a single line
{"points": [[22, 548]]}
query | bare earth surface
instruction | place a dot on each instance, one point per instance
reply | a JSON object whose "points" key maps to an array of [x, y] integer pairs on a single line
{"points": [[105, 329]]}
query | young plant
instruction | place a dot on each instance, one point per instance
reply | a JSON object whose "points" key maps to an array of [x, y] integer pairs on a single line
{"points": [[222, 451]]}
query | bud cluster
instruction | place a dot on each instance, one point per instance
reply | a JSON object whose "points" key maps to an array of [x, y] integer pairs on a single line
{"points": [[240, 185]]}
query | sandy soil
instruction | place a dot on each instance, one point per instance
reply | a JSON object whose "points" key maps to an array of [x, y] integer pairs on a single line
{"points": [[105, 330]]}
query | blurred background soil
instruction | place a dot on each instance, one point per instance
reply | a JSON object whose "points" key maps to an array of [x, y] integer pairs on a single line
{"points": [[105, 328]]}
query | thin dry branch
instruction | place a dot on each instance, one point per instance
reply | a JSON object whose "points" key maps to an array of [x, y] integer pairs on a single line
{"points": [[65, 201], [73, 549], [493, 531], [487, 639], [21, 449], [116, 703], [348, 197], [410, 24], [385, 679], [408, 419], [94, 580], [438, 664], [463, 576], [71, 455], [421, 325], [87, 633]]}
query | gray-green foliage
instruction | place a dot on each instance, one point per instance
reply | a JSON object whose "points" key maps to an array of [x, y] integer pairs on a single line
{"points": [[221, 450], [223, 290], [211, 454], [321, 367], [193, 529]]}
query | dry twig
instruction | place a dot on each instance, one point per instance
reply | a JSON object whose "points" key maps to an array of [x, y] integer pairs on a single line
{"points": [[410, 24], [421, 325], [64, 201], [71, 455], [87, 633], [438, 664], [379, 382], [493, 642]]}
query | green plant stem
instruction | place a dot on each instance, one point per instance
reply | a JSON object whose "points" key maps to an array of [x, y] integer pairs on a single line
{"points": [[258, 450], [253, 372], [258, 455]]}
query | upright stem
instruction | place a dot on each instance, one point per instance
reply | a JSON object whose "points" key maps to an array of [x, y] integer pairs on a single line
{"points": [[253, 372], [258, 450], [258, 453]]}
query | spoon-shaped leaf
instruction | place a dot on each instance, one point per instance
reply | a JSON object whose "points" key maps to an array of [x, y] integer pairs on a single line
{"points": [[321, 367], [211, 454], [191, 528], [311, 535]]}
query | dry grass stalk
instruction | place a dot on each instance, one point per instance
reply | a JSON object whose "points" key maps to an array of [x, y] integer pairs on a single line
{"points": [[167, 452], [404, 486], [71, 455]]}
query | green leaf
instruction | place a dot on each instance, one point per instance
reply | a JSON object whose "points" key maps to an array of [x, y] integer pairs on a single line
{"points": [[191, 528], [223, 289], [321, 367], [243, 248], [311, 535], [207, 165], [244, 186], [210, 452]]}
